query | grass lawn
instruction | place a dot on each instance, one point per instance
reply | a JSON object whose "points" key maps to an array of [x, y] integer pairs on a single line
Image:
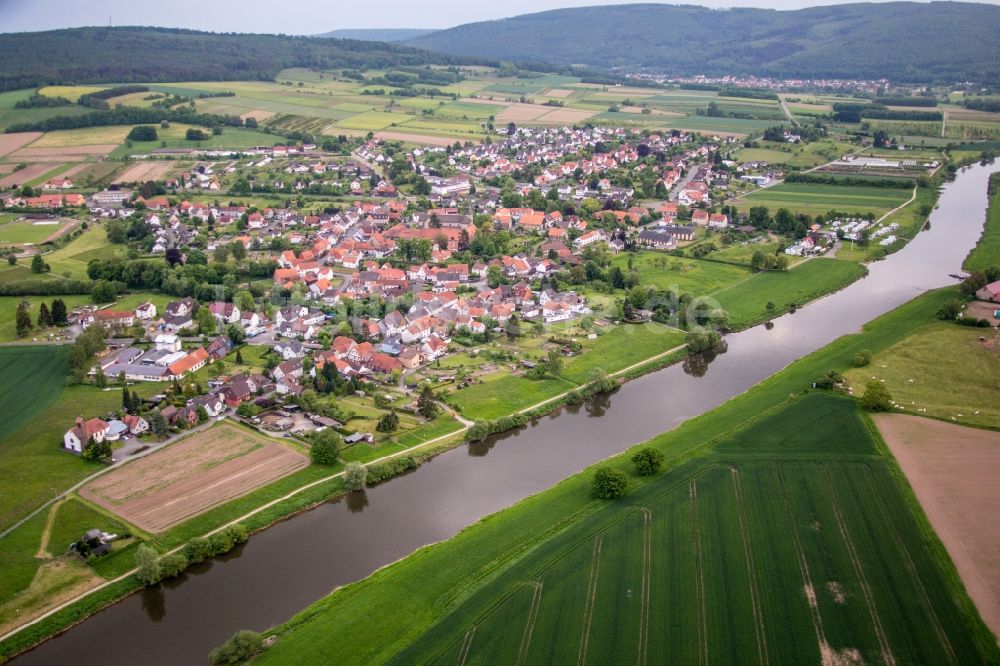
{"points": [[803, 155], [26, 231], [174, 137], [814, 199], [620, 347], [73, 518], [692, 276], [374, 120], [8, 309], [746, 302], [503, 393], [766, 502], [987, 250], [71, 260], [944, 369]]}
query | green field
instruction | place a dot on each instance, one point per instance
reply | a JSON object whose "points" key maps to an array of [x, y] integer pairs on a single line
{"points": [[16, 233], [781, 532], [8, 306], [693, 276], [32, 379], [174, 137], [987, 250], [746, 302], [815, 199], [940, 370], [71, 260]]}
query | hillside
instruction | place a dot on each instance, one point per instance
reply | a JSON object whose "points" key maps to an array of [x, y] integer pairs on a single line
{"points": [[130, 54], [904, 41], [378, 34]]}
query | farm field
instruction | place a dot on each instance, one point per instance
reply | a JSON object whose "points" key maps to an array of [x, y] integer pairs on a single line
{"points": [[787, 507], [174, 137], [746, 302], [796, 155], [953, 471], [192, 475], [942, 370], [816, 199]]}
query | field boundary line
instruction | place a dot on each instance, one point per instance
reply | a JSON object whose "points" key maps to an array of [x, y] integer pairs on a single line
{"points": [[911, 567], [529, 627], [647, 575], [700, 573], [800, 555], [758, 611], [588, 614], [859, 571], [43, 546], [463, 652]]}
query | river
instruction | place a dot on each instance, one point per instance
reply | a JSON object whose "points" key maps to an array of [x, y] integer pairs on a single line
{"points": [[281, 570]]}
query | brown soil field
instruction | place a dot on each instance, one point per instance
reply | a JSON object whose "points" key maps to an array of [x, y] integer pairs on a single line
{"points": [[983, 310], [557, 92], [523, 113], [26, 174], [192, 475], [11, 142], [64, 153], [149, 170], [6, 168], [955, 471], [257, 114], [565, 116]]}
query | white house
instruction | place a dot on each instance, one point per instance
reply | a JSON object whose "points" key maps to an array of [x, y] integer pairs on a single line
{"points": [[146, 311], [78, 436], [167, 342]]}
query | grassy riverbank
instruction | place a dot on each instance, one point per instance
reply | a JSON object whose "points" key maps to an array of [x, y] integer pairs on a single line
{"points": [[443, 590]]}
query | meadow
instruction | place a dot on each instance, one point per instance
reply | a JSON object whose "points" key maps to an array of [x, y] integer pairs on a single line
{"points": [[694, 276], [987, 250], [816, 199], [940, 370], [786, 506], [746, 302]]}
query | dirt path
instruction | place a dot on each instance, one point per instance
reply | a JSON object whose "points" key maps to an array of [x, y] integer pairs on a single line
{"points": [[43, 546], [954, 471]]}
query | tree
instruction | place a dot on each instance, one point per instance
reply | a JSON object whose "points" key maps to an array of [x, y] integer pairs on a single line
{"points": [[389, 423], [238, 649], [158, 424], [757, 260], [609, 483], [512, 327], [100, 379], [325, 447], [426, 406], [494, 276], [142, 133], [861, 359], [239, 357], [553, 363], [244, 300], [37, 264], [148, 564], [44, 316], [58, 312], [647, 461], [354, 476], [876, 397], [195, 134], [22, 320], [12, 258], [126, 400], [236, 334], [205, 320]]}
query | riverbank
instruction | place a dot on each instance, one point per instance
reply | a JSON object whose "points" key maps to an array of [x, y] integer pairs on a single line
{"points": [[415, 594], [400, 525]]}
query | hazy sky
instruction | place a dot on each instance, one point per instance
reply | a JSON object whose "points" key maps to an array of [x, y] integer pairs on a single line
{"points": [[297, 16]]}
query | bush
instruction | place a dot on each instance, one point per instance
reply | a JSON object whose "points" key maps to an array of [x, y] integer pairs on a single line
{"points": [[355, 476], [861, 359], [195, 135], [390, 468], [148, 563], [172, 565], [647, 461], [143, 133], [876, 397], [609, 483], [325, 448], [243, 645], [198, 550]]}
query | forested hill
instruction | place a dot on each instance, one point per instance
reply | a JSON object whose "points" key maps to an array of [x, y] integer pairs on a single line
{"points": [[904, 41], [127, 54], [378, 34]]}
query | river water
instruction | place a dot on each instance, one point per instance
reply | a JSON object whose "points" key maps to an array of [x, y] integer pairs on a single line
{"points": [[292, 564]]}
